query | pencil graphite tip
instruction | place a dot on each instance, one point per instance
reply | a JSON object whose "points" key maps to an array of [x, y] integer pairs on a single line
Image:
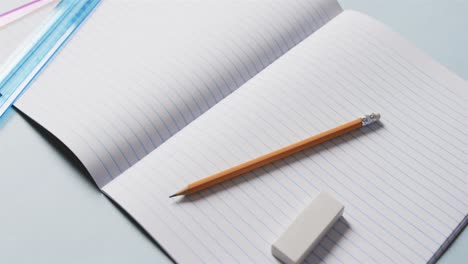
{"points": [[370, 119], [184, 191]]}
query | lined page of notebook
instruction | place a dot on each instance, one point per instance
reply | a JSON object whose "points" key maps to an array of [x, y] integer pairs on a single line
{"points": [[139, 71], [403, 182]]}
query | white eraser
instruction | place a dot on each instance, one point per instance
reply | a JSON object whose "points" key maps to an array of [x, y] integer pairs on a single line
{"points": [[307, 229]]}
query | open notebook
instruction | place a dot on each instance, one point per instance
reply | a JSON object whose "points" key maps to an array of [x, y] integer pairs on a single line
{"points": [[152, 95]]}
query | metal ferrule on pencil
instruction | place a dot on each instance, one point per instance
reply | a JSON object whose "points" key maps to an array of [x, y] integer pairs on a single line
{"points": [[370, 119]]}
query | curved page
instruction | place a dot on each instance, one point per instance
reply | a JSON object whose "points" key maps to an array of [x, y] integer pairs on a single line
{"points": [[139, 71], [403, 182]]}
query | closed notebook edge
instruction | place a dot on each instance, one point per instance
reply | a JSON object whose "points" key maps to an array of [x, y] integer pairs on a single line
{"points": [[456, 232]]}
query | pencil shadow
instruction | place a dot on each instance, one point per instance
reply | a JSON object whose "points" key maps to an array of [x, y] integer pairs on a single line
{"points": [[62, 149], [330, 241], [238, 182]]}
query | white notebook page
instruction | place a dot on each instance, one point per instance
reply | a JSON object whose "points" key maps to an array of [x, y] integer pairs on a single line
{"points": [[139, 71], [403, 182]]}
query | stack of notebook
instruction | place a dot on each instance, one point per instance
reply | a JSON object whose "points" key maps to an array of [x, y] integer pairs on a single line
{"points": [[153, 95]]}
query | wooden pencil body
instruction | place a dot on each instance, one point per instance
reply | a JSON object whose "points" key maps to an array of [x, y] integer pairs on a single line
{"points": [[272, 157]]}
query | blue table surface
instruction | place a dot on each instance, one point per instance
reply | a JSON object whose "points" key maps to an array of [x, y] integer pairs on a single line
{"points": [[52, 213]]}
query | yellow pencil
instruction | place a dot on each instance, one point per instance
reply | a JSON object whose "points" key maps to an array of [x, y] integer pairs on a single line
{"points": [[277, 154]]}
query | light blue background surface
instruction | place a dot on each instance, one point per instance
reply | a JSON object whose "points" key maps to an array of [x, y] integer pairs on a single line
{"points": [[52, 213]]}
